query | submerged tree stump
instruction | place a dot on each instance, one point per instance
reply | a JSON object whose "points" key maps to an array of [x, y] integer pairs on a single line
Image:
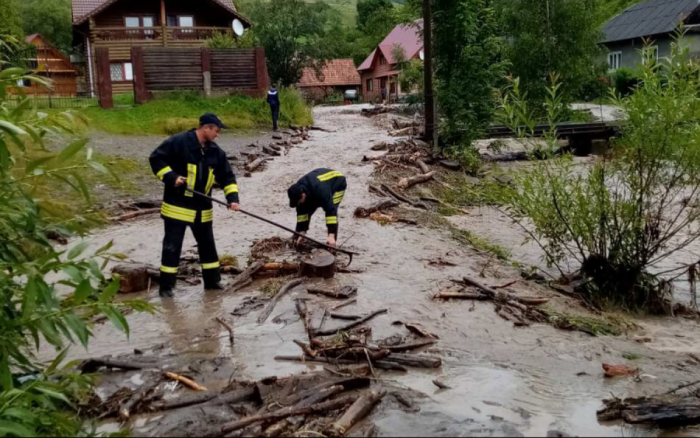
{"points": [[320, 264]]}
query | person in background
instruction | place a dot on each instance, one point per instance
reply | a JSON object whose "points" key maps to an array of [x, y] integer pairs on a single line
{"points": [[384, 96], [273, 98]]}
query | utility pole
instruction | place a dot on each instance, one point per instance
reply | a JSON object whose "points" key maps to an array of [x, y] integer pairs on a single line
{"points": [[430, 133]]}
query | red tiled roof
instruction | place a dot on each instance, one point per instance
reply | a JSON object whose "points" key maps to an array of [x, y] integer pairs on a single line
{"points": [[406, 36], [334, 72], [83, 9]]}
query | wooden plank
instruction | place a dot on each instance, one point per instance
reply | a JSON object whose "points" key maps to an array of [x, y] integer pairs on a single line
{"points": [[104, 78], [140, 91]]}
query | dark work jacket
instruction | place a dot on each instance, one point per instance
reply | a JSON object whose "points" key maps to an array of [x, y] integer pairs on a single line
{"points": [[324, 188], [273, 98], [182, 155]]}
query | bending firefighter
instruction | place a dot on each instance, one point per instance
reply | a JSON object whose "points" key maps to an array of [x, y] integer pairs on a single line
{"points": [[192, 160], [323, 188]]}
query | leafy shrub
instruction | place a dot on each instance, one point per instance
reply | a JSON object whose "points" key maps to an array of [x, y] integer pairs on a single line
{"points": [[618, 218], [625, 81]]}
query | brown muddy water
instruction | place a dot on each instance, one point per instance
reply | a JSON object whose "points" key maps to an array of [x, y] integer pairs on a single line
{"points": [[505, 380]]}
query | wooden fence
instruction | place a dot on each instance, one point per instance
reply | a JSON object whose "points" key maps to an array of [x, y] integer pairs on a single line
{"points": [[211, 71]]}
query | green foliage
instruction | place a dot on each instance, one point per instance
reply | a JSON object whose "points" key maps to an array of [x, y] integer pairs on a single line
{"points": [[468, 238], [468, 67], [50, 18], [411, 76], [224, 41], [47, 295], [10, 22], [624, 214], [625, 81], [552, 36]]}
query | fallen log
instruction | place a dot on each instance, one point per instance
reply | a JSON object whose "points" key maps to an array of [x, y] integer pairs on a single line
{"points": [[306, 349], [419, 330], [352, 301], [284, 266], [126, 408], [335, 331], [410, 131], [245, 277], [493, 294], [209, 399], [402, 198], [341, 294], [320, 396], [345, 317], [134, 214], [228, 328], [422, 166], [365, 212], [273, 152], [665, 412], [303, 313], [91, 366], [252, 166], [321, 264], [273, 302], [413, 180], [461, 296], [185, 381], [408, 347], [355, 413], [321, 408], [384, 365], [415, 360]]}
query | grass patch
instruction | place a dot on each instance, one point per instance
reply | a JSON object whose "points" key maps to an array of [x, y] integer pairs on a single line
{"points": [[228, 260], [590, 325], [272, 286], [179, 111], [632, 356], [466, 237]]}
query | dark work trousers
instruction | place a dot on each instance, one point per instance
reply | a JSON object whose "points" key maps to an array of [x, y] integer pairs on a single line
{"points": [[172, 248], [275, 115]]}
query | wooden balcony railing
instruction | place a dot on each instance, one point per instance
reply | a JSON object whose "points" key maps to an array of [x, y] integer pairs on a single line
{"points": [[156, 33]]}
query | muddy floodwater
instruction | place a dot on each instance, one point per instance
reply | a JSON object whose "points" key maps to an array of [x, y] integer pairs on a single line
{"points": [[505, 380]]}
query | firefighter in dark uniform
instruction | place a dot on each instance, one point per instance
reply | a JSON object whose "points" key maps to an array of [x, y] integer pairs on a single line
{"points": [[323, 188], [192, 160]]}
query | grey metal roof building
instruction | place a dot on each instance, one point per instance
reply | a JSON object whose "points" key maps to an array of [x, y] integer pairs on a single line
{"points": [[655, 21]]}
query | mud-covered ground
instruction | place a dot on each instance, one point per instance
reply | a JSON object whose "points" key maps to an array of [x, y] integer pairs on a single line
{"points": [[504, 380]]}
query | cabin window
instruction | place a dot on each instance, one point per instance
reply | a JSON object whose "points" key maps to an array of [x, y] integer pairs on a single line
{"points": [[614, 60], [370, 84], [382, 60], [185, 21], [138, 22], [121, 71]]}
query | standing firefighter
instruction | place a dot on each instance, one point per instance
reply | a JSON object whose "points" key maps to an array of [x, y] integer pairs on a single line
{"points": [[273, 98], [192, 160], [323, 188]]}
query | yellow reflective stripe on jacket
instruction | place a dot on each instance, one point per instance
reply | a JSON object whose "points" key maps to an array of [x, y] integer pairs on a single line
{"points": [[332, 220], [210, 181], [168, 270], [338, 196], [329, 176], [214, 265], [302, 218], [231, 188], [164, 171], [207, 216], [179, 213], [191, 178]]}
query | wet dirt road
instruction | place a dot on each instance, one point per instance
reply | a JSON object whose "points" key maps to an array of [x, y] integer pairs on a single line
{"points": [[505, 381]]}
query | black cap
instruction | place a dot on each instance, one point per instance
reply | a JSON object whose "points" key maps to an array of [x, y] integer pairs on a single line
{"points": [[211, 119], [294, 192]]}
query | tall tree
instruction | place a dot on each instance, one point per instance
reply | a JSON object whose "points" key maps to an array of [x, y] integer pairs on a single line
{"points": [[10, 22], [468, 67], [292, 32], [376, 17], [552, 36], [50, 18]]}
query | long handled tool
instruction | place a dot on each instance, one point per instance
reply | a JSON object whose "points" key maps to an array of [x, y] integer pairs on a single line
{"points": [[323, 245]]}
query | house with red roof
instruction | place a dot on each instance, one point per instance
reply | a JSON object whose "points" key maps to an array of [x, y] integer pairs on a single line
{"points": [[380, 69], [336, 76], [120, 25], [50, 64]]}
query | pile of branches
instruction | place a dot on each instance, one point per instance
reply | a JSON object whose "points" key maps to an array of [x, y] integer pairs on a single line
{"points": [[350, 343], [317, 403], [375, 110], [407, 127]]}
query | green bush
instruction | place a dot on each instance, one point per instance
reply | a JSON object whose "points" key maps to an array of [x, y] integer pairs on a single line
{"points": [[625, 80], [618, 218], [48, 296]]}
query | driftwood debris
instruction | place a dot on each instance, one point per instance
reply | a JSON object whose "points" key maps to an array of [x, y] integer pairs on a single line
{"points": [[665, 412], [321, 264], [440, 385], [402, 198], [134, 214], [415, 360], [208, 399], [374, 111], [273, 302], [364, 212], [413, 180], [343, 293], [422, 166], [125, 410], [134, 278], [384, 365], [303, 313], [243, 279], [90, 366], [355, 413], [349, 302], [381, 146], [185, 381], [270, 151], [228, 328], [401, 348], [252, 166], [419, 330], [345, 317], [335, 331]]}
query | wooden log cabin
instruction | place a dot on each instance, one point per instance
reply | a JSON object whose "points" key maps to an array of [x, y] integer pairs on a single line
{"points": [[47, 62], [120, 25]]}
